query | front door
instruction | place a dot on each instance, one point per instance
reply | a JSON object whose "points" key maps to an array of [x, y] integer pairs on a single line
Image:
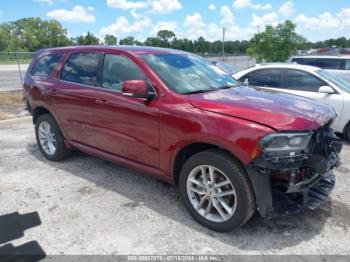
{"points": [[307, 85], [124, 126]]}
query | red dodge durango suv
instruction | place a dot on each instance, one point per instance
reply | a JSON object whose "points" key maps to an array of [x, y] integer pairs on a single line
{"points": [[231, 149]]}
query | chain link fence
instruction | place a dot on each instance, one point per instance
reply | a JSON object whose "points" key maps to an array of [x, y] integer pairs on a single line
{"points": [[13, 66], [239, 62], [10, 58]]}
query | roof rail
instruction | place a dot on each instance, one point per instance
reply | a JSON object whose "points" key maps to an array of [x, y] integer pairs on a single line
{"points": [[278, 63], [334, 55]]}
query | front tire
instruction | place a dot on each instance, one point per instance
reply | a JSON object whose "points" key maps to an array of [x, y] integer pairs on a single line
{"points": [[347, 132], [50, 139], [216, 191]]}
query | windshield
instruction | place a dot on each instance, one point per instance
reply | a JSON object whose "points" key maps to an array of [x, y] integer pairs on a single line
{"points": [[340, 82], [227, 68], [187, 73]]}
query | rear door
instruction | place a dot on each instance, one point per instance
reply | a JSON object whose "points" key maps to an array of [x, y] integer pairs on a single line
{"points": [[73, 96]]}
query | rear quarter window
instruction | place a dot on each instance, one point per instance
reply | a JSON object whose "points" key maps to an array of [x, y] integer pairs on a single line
{"points": [[45, 65]]}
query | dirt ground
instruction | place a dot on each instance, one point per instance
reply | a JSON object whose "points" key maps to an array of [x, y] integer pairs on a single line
{"points": [[85, 205], [11, 104]]}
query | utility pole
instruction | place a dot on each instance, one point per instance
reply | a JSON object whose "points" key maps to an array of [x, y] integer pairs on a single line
{"points": [[258, 42], [223, 44], [17, 59]]}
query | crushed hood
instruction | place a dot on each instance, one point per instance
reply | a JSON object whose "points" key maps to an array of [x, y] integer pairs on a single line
{"points": [[280, 111]]}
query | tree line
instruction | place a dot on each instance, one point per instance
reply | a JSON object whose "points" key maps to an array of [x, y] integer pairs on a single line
{"points": [[274, 44], [31, 34]]}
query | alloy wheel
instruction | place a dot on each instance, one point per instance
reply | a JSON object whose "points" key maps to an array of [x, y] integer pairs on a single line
{"points": [[211, 193], [47, 138]]}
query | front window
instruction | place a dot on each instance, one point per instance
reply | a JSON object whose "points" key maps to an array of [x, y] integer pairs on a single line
{"points": [[347, 64], [187, 73], [303, 81], [118, 69], [338, 81]]}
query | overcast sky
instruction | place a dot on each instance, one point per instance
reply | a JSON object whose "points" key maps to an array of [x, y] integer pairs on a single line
{"points": [[316, 19]]}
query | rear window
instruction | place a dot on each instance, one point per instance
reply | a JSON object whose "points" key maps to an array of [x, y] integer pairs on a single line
{"points": [[82, 68], [325, 63], [45, 65], [264, 78]]}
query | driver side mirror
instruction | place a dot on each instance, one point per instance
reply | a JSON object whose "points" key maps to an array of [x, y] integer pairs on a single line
{"points": [[326, 90], [137, 89]]}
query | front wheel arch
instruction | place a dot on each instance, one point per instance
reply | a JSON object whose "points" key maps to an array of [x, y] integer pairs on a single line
{"points": [[189, 150], [346, 132], [238, 177]]}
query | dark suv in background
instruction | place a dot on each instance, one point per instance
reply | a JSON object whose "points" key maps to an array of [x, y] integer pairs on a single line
{"points": [[230, 149], [337, 64]]}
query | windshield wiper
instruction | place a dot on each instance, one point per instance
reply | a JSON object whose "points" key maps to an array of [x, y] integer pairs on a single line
{"points": [[210, 90], [199, 91], [228, 86]]}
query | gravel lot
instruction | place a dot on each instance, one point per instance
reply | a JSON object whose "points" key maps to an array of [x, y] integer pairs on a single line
{"points": [[89, 206]]}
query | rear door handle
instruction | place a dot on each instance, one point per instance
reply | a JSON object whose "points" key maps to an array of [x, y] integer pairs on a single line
{"points": [[57, 91]]}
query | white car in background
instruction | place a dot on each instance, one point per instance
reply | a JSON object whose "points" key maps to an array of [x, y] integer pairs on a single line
{"points": [[307, 81]]}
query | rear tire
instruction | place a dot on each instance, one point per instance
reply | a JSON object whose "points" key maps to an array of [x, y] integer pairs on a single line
{"points": [[50, 139], [220, 208], [28, 107]]}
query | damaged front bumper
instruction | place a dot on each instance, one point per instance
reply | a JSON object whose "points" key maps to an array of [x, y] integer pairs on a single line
{"points": [[286, 184]]}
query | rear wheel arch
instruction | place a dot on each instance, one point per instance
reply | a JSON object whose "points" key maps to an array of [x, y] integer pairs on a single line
{"points": [[51, 134], [38, 111], [41, 110]]}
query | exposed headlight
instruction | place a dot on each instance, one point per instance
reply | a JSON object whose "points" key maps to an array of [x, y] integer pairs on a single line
{"points": [[285, 142]]}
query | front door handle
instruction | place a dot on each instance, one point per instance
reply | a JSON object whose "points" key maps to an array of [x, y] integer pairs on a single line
{"points": [[101, 101]]}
